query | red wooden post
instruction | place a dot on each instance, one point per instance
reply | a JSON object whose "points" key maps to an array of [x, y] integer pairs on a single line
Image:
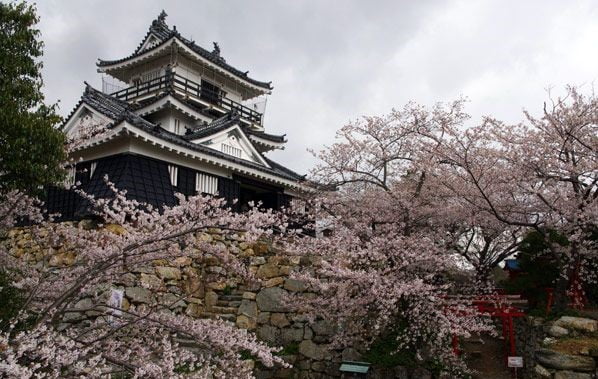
{"points": [[455, 343], [511, 336], [549, 299]]}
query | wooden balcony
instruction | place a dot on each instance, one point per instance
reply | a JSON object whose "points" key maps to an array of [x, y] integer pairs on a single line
{"points": [[208, 98]]}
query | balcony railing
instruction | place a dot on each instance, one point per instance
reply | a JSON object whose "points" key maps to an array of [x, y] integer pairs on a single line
{"points": [[207, 96]]}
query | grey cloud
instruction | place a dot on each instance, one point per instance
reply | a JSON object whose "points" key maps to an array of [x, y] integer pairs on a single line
{"points": [[332, 61]]}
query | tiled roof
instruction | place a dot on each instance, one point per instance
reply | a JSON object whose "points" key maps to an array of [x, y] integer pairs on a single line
{"points": [[160, 29], [267, 136], [119, 111], [215, 126], [105, 104], [165, 135], [226, 121]]}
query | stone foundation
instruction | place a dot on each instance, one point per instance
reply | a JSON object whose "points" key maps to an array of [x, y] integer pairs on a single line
{"points": [[566, 348], [205, 289]]}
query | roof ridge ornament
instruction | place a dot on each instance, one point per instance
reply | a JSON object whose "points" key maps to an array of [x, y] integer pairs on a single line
{"points": [[216, 50], [161, 19]]}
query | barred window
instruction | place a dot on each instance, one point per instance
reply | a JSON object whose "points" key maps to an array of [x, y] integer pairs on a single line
{"points": [[150, 75], [206, 183], [177, 126], [174, 174], [92, 169], [71, 172], [231, 150]]}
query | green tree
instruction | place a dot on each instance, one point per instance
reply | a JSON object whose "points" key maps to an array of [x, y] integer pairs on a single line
{"points": [[31, 147]]}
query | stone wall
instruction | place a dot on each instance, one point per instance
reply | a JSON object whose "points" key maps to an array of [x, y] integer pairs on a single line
{"points": [[565, 348], [205, 289]]}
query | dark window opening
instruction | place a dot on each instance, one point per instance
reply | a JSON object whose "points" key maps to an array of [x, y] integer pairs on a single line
{"points": [[210, 92]]}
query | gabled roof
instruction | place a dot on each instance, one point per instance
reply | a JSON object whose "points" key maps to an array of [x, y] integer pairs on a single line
{"points": [[120, 111], [226, 121], [162, 32], [215, 126], [161, 133], [102, 103], [107, 105], [158, 28]]}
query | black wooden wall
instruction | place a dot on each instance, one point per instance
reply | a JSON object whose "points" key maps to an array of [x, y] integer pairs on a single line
{"points": [[146, 180]]}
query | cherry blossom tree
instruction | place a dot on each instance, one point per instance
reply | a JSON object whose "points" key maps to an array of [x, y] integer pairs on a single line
{"points": [[146, 340], [538, 175], [385, 268]]}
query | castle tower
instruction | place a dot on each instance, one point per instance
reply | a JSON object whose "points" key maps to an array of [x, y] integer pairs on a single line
{"points": [[181, 119]]}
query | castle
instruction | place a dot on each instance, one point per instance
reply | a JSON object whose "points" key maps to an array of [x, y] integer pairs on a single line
{"points": [[187, 121]]}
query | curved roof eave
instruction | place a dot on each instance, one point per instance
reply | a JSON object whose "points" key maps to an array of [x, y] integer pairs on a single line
{"points": [[108, 65]]}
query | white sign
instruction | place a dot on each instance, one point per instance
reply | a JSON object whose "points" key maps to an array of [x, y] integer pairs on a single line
{"points": [[115, 302], [515, 362]]}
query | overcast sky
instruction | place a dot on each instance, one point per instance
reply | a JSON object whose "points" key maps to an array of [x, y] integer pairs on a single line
{"points": [[332, 61]]}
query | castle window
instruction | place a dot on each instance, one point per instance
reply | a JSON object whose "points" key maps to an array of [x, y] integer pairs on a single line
{"points": [[92, 169], [231, 150], [150, 75], [173, 171], [206, 184], [69, 181], [177, 126], [210, 92]]}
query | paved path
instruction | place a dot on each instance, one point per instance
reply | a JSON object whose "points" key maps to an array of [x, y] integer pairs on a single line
{"points": [[486, 358]]}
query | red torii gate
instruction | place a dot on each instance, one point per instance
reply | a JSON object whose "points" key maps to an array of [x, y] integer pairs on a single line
{"points": [[494, 305]]}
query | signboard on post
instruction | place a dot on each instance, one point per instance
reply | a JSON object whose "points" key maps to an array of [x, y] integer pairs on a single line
{"points": [[516, 362]]}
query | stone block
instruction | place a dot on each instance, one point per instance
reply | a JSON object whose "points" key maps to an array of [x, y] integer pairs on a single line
{"points": [[245, 322], [314, 351], [263, 318], [166, 272], [260, 248], [289, 335], [572, 375], [541, 372], [150, 281], [323, 328], [269, 334], [182, 261], [249, 295], [211, 299], [279, 320], [308, 333], [294, 285], [194, 310], [271, 300], [552, 359], [558, 331], [139, 295], [248, 308], [578, 323], [173, 301], [267, 271], [274, 282]]}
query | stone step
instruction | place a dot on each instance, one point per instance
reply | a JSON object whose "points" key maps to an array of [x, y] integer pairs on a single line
{"points": [[231, 297], [474, 354], [224, 310], [473, 341], [231, 318], [230, 304]]}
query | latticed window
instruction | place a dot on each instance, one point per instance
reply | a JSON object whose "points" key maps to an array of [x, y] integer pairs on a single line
{"points": [[71, 172], [231, 150], [206, 183], [173, 171], [177, 126], [150, 75], [92, 169]]}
